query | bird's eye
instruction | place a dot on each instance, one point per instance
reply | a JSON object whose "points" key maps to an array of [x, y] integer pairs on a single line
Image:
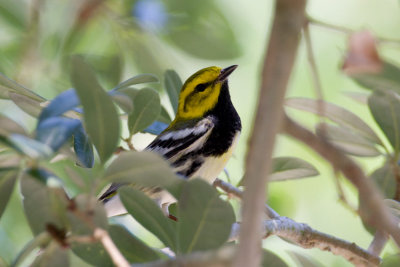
{"points": [[201, 87]]}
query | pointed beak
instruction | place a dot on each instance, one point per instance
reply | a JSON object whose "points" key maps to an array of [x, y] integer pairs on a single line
{"points": [[225, 73]]}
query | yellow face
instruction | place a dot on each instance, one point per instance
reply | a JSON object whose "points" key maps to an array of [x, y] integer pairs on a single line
{"points": [[199, 94]]}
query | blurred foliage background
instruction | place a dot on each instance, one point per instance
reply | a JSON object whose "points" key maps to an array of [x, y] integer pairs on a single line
{"points": [[124, 38]]}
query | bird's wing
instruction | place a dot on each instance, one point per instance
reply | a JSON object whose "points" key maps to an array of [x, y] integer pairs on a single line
{"points": [[174, 145]]}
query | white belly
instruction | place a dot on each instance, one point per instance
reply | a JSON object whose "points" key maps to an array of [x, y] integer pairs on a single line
{"points": [[213, 166]]}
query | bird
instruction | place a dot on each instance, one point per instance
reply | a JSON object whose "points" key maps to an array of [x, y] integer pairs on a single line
{"points": [[201, 138]]}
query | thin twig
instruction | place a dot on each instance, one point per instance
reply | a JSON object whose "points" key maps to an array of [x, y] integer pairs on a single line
{"points": [[345, 30], [377, 216], [303, 235], [231, 190], [314, 70], [110, 247], [378, 243], [329, 26], [281, 53]]}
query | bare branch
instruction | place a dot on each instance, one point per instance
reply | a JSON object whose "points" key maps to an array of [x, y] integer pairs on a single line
{"points": [[110, 247], [280, 56], [378, 243], [230, 189], [377, 214], [214, 258], [303, 235]]}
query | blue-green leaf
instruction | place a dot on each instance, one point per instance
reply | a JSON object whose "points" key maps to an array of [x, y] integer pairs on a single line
{"points": [[156, 128], [385, 108], [100, 115], [62, 103], [146, 109], [52, 255], [8, 126], [143, 168], [204, 220], [30, 147], [270, 259], [386, 79], [7, 181], [56, 131], [148, 214], [83, 148], [286, 168], [133, 249], [42, 205], [347, 141], [138, 79], [19, 89], [26, 104], [384, 178], [337, 114], [173, 85], [38, 241]]}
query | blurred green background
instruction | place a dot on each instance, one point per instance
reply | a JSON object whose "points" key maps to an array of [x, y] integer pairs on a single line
{"points": [[125, 38]]}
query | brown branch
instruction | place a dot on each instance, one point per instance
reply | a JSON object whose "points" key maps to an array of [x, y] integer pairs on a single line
{"points": [[221, 257], [377, 216], [288, 21], [378, 243], [231, 190], [303, 235]]}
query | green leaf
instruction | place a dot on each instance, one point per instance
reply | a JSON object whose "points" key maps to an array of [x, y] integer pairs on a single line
{"points": [[145, 168], [19, 89], [361, 98], [123, 101], [53, 255], [391, 261], [347, 141], [133, 249], [108, 68], [385, 180], [4, 92], [30, 147], [138, 79], [100, 115], [28, 105], [217, 40], [9, 160], [304, 260], [204, 220], [148, 214], [7, 181], [387, 79], [269, 259], [92, 211], [12, 13], [86, 209], [286, 168], [93, 253], [42, 205], [385, 108], [146, 109], [173, 85], [39, 240], [164, 116], [337, 114], [393, 206], [8, 126]]}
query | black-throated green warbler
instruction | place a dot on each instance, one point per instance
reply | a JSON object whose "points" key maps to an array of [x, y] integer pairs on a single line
{"points": [[201, 138]]}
